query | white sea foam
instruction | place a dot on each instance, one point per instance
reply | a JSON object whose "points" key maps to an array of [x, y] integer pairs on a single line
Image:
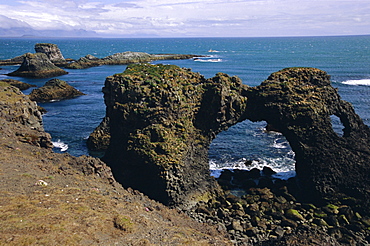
{"points": [[283, 166], [357, 82], [60, 145], [208, 60], [278, 144]]}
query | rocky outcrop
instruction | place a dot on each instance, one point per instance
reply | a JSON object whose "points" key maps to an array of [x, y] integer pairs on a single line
{"points": [[54, 89], [51, 51], [299, 103], [123, 58], [37, 66], [162, 120], [18, 109], [16, 83]]}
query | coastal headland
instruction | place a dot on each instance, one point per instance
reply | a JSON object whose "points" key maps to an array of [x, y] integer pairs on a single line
{"points": [[153, 185]]}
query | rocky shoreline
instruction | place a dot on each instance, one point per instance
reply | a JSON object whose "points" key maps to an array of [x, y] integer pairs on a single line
{"points": [[160, 121]]}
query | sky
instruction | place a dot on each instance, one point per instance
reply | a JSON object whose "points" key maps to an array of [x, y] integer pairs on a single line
{"points": [[184, 18]]}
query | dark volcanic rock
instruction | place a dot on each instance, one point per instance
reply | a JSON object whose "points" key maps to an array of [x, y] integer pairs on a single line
{"points": [[162, 120], [37, 66], [299, 102], [16, 83], [99, 140], [54, 89]]}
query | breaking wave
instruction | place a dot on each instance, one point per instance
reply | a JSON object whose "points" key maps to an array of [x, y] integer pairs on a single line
{"points": [[357, 82], [60, 145]]}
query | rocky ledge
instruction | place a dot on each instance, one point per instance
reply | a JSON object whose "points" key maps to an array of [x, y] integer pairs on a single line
{"points": [[54, 89], [160, 121]]}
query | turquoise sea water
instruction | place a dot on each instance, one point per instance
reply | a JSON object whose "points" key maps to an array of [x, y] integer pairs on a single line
{"points": [[346, 59]]}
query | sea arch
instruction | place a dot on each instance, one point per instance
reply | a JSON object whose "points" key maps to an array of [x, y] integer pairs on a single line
{"points": [[162, 120]]}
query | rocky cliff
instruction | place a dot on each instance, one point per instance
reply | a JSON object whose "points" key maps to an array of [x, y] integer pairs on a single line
{"points": [[163, 118], [17, 109], [299, 102]]}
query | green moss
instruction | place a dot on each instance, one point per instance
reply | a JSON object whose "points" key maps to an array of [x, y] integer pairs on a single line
{"points": [[123, 223]]}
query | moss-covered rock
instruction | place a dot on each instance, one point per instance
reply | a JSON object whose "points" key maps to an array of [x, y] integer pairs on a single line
{"points": [[162, 120], [54, 89], [299, 102]]}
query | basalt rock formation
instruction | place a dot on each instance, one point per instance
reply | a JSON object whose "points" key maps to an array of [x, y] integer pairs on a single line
{"points": [[37, 66], [54, 89], [51, 51], [162, 119], [299, 102]]}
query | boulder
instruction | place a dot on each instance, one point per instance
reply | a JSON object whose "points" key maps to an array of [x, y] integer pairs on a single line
{"points": [[37, 66], [54, 89]]}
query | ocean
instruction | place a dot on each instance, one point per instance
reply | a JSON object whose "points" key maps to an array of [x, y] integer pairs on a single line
{"points": [[345, 58]]}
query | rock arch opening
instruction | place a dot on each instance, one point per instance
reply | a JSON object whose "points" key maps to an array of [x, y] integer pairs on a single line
{"points": [[337, 125], [248, 145], [162, 120]]}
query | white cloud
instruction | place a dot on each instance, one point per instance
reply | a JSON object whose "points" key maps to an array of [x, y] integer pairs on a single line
{"points": [[194, 17]]}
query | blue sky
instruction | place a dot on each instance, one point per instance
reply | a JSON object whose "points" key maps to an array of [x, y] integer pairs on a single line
{"points": [[184, 18]]}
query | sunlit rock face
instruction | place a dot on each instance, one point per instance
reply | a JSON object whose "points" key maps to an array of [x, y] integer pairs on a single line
{"points": [[299, 102], [52, 51], [160, 121]]}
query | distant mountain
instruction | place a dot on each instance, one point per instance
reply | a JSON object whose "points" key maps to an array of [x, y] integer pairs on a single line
{"points": [[14, 28]]}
